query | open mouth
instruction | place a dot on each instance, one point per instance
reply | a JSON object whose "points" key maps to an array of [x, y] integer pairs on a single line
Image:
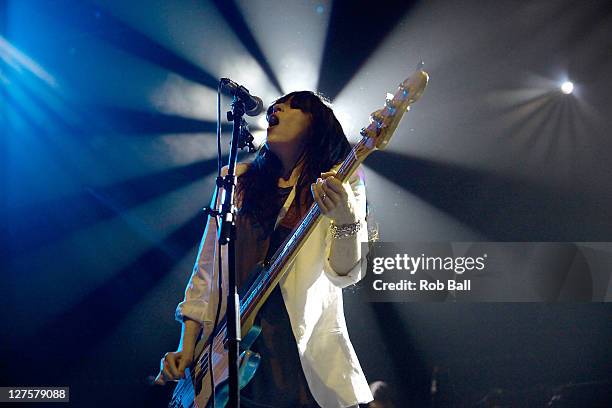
{"points": [[272, 120]]}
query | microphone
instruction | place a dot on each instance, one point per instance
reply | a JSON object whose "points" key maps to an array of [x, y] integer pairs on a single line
{"points": [[253, 105]]}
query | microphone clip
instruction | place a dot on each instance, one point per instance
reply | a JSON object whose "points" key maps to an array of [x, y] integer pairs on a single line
{"points": [[246, 138]]}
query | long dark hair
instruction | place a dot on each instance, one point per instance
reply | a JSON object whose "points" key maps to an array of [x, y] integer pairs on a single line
{"points": [[325, 146]]}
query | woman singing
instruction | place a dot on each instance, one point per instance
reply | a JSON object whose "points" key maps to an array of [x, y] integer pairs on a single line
{"points": [[307, 357]]}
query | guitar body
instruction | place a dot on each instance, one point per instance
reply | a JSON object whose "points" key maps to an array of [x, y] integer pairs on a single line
{"points": [[195, 390]]}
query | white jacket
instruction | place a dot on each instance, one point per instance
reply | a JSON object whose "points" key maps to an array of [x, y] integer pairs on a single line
{"points": [[313, 298]]}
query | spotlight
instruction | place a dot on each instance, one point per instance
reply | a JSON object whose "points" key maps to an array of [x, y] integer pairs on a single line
{"points": [[567, 87]]}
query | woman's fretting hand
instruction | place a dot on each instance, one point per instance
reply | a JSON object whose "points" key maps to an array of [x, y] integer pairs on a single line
{"points": [[335, 199]]}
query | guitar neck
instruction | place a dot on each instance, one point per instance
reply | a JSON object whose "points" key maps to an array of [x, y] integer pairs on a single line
{"points": [[274, 271]]}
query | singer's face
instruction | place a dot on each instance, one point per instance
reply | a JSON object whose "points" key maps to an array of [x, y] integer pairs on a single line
{"points": [[288, 128]]}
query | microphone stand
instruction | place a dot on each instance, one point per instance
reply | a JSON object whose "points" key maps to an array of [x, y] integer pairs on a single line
{"points": [[241, 138]]}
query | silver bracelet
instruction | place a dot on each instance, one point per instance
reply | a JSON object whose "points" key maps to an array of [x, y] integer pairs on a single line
{"points": [[345, 230]]}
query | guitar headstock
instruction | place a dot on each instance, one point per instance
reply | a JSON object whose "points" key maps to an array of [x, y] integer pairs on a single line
{"points": [[383, 122]]}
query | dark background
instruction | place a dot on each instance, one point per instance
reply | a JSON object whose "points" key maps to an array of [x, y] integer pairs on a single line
{"points": [[107, 159]]}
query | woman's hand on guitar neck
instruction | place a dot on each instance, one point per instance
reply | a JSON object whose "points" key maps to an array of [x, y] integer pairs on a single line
{"points": [[335, 199]]}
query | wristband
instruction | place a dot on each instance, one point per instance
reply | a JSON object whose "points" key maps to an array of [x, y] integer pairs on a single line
{"points": [[345, 230]]}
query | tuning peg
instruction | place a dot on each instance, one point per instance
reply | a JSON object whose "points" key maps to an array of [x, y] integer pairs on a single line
{"points": [[370, 131], [376, 117], [389, 104]]}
